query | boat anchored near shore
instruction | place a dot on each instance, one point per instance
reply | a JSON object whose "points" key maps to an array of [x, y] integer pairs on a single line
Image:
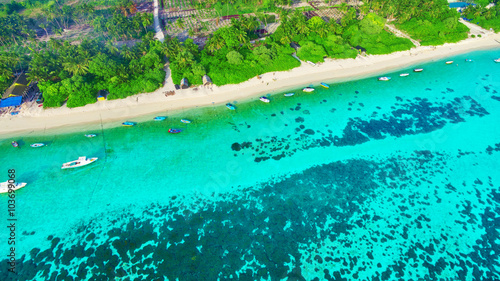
{"points": [[4, 186], [324, 85], [81, 161], [37, 144], [418, 70], [160, 118], [128, 124], [230, 106], [264, 99], [384, 78], [308, 89]]}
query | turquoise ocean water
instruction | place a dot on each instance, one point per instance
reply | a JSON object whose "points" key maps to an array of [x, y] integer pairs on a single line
{"points": [[367, 180]]}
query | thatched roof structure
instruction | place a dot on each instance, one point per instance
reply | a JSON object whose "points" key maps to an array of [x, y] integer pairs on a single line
{"points": [[18, 88], [184, 83], [207, 80]]}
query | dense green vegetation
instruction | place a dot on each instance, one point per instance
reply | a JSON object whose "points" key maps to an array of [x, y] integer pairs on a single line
{"points": [[75, 73], [431, 22], [235, 7], [228, 57], [486, 18]]}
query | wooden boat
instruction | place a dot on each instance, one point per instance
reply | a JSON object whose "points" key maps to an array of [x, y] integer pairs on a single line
{"points": [[5, 186], [160, 118], [15, 144], [81, 161], [449, 62], [497, 60], [37, 144], [128, 124], [289, 94], [308, 89], [187, 121], [418, 70], [404, 74], [264, 99], [384, 78], [324, 85], [90, 135], [174, 131], [230, 106]]}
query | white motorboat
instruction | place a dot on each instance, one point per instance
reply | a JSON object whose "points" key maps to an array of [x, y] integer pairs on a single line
{"points": [[37, 144], [449, 62], [90, 135], [264, 99], [4, 186], [418, 69], [81, 161], [308, 89], [497, 60], [404, 74], [289, 94], [385, 78]]}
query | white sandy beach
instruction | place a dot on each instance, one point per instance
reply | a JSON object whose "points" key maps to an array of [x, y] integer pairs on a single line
{"points": [[35, 119]]}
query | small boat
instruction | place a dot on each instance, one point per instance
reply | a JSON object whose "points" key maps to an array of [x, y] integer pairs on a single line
{"points": [[160, 118], [264, 99], [418, 70], [469, 60], [404, 74], [174, 131], [4, 186], [289, 94], [324, 85], [187, 121], [497, 60], [384, 78], [90, 135], [128, 124], [449, 62], [81, 161], [15, 144], [308, 89], [37, 144], [230, 106]]}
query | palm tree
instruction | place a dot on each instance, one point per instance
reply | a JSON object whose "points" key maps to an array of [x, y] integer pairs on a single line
{"points": [[42, 25], [127, 53], [112, 49], [146, 20], [76, 66], [184, 58]]}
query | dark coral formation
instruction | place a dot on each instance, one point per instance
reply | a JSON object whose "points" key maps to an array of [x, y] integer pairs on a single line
{"points": [[281, 230], [416, 117]]}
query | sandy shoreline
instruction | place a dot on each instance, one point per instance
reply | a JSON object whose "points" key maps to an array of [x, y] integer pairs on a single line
{"points": [[36, 120]]}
